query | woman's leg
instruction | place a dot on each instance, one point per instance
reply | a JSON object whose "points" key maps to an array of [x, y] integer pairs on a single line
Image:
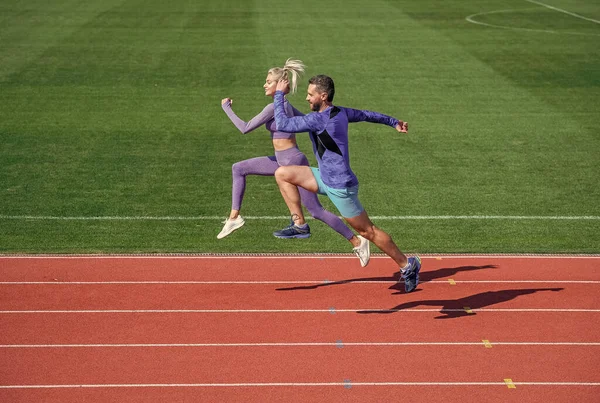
{"points": [[264, 166]]}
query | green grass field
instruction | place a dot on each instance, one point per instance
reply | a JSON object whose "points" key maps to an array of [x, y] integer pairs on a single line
{"points": [[112, 109]]}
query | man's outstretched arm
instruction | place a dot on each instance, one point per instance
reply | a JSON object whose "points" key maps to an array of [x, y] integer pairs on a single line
{"points": [[296, 124], [356, 115]]}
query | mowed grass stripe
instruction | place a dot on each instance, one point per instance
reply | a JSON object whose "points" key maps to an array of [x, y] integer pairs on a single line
{"points": [[122, 118]]}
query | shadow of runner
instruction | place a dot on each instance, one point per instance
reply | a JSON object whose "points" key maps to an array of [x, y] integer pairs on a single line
{"points": [[455, 308], [450, 271], [445, 272], [424, 277]]}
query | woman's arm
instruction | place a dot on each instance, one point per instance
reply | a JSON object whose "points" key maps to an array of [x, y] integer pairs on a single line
{"points": [[246, 127]]}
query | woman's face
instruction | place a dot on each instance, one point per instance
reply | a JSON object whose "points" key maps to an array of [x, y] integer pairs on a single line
{"points": [[270, 84]]}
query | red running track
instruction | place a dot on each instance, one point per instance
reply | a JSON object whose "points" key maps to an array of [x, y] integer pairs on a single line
{"points": [[298, 329]]}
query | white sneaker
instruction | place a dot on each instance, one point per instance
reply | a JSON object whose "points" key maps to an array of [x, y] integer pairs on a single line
{"points": [[230, 226], [363, 251]]}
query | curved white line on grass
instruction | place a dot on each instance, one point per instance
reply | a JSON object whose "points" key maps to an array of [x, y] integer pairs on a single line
{"points": [[210, 218], [471, 19], [563, 11]]}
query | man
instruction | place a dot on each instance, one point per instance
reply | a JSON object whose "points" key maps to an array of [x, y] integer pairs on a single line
{"points": [[328, 128]]}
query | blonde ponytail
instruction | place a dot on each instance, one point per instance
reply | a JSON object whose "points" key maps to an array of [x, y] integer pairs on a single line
{"points": [[293, 69]]}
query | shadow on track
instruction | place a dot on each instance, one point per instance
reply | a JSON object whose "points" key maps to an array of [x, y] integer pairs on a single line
{"points": [[455, 308], [425, 277]]}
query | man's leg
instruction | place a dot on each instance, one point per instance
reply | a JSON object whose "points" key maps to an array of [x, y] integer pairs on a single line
{"points": [[288, 179], [363, 224], [310, 200], [409, 267], [297, 184]]}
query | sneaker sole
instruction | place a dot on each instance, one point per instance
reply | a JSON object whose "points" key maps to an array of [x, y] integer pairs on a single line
{"points": [[223, 235], [364, 264], [301, 236]]}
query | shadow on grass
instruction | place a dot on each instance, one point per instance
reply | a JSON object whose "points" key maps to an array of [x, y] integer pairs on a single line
{"points": [[456, 308]]}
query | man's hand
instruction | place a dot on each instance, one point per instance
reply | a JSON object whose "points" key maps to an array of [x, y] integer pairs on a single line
{"points": [[225, 100], [283, 85], [402, 127]]}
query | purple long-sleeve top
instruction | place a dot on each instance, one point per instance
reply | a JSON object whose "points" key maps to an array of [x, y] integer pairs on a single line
{"points": [[266, 117], [329, 134]]}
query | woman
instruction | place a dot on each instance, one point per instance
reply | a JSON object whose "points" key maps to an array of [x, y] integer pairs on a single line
{"points": [[286, 153]]}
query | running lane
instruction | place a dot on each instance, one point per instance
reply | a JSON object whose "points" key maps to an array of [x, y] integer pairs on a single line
{"points": [[473, 323]]}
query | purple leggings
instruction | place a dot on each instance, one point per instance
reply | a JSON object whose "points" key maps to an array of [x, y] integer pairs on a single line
{"points": [[266, 166]]}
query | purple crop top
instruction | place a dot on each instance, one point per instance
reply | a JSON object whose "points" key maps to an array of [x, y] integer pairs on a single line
{"points": [[266, 117]]}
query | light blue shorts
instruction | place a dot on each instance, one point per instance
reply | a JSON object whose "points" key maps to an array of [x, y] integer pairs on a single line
{"points": [[345, 199]]}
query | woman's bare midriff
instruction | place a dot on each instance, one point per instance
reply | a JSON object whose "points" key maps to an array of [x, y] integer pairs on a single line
{"points": [[283, 144]]}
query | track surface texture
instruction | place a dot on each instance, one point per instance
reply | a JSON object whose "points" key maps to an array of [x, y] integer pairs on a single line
{"points": [[298, 329]]}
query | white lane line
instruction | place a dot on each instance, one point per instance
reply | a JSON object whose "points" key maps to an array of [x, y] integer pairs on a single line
{"points": [[210, 218], [563, 11], [328, 310], [316, 344], [511, 281], [293, 384], [283, 282]]}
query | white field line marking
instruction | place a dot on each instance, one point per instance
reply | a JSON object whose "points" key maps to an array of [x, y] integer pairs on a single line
{"points": [[328, 310], [275, 256], [292, 384], [311, 282], [322, 344], [563, 11], [471, 19], [210, 218]]}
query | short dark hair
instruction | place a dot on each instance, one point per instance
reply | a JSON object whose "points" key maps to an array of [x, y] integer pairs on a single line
{"points": [[324, 84]]}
